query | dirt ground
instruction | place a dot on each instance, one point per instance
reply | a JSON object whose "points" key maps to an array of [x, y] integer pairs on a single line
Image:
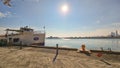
{"points": [[30, 57]]}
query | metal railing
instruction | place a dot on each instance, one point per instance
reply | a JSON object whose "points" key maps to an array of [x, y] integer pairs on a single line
{"points": [[39, 32]]}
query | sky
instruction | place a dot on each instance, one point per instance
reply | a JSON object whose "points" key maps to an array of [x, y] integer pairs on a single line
{"points": [[81, 18]]}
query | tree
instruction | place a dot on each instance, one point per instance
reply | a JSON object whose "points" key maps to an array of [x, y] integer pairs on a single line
{"points": [[6, 2]]}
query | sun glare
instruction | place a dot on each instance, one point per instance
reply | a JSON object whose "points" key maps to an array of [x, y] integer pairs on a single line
{"points": [[64, 8]]}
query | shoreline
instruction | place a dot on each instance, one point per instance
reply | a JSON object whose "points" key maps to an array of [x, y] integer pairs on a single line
{"points": [[74, 49], [87, 38], [70, 49]]}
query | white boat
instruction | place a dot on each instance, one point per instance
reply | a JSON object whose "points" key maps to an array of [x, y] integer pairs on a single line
{"points": [[24, 36]]}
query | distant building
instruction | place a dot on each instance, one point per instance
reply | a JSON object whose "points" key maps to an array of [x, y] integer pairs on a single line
{"points": [[113, 34], [117, 33]]}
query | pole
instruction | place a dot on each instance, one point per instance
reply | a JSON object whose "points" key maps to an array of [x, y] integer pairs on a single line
{"points": [[56, 53], [20, 45], [44, 36]]}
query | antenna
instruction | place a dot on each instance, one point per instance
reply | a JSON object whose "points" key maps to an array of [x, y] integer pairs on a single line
{"points": [[44, 29]]}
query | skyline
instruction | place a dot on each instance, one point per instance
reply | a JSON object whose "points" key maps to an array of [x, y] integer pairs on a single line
{"points": [[83, 18]]}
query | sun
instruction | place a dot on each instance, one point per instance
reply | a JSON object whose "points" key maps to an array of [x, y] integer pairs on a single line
{"points": [[64, 8]]}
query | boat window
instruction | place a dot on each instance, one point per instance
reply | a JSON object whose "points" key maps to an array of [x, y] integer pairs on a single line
{"points": [[16, 40], [36, 38], [10, 38]]}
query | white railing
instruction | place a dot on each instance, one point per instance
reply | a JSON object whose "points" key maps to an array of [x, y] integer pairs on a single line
{"points": [[39, 32]]}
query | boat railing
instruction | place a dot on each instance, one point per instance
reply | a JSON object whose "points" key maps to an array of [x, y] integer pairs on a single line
{"points": [[39, 32]]}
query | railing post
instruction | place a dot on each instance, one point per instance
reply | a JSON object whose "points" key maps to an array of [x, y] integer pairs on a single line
{"points": [[56, 53], [20, 44], [56, 49]]}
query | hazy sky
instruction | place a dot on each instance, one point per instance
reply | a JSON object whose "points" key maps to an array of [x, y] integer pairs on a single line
{"points": [[83, 17]]}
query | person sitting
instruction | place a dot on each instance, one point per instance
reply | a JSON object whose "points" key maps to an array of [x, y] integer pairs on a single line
{"points": [[84, 50]]}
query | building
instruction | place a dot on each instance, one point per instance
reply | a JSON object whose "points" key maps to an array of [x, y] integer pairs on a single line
{"points": [[24, 36], [117, 33], [113, 34]]}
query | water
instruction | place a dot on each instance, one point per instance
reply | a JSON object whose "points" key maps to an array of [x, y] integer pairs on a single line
{"points": [[114, 44]]}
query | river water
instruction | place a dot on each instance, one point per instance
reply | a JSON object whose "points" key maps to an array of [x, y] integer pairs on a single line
{"points": [[114, 44]]}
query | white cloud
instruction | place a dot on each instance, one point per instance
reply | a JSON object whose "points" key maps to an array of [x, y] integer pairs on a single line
{"points": [[116, 24], [2, 30], [2, 15], [8, 13]]}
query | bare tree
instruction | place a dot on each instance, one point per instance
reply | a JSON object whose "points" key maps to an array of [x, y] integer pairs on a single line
{"points": [[6, 2]]}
